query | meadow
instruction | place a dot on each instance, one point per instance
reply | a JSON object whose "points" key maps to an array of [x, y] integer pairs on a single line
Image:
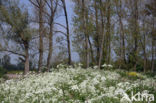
{"points": [[66, 84]]}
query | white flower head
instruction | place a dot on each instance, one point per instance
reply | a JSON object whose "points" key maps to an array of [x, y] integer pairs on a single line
{"points": [[104, 65], [75, 87], [103, 78], [95, 67], [110, 66]]}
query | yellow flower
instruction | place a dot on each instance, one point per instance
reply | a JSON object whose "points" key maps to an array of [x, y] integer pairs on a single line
{"points": [[133, 74]]}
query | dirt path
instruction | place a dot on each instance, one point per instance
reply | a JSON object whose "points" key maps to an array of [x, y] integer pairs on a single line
{"points": [[13, 76]]}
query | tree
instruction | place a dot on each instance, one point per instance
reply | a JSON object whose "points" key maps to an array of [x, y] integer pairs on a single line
{"points": [[120, 14], [52, 5], [5, 61], [84, 19], [82, 30], [151, 10], [102, 32], [40, 5], [121, 22], [17, 20], [67, 34], [97, 36], [153, 34]]}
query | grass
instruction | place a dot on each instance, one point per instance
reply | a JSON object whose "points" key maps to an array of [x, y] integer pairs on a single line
{"points": [[15, 72]]}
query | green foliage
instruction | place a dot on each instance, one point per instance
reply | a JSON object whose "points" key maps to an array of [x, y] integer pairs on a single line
{"points": [[150, 75], [2, 72], [107, 100], [123, 74], [15, 72], [17, 20], [111, 83], [139, 67], [5, 62]]}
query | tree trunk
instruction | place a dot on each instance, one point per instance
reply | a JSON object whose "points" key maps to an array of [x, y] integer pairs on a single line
{"points": [[68, 36], [85, 33], [145, 57], [50, 46], [87, 51], [144, 48], [136, 33], [145, 62], [109, 46], [102, 32], [97, 33], [40, 37], [153, 45], [26, 64], [53, 10], [122, 32], [108, 32], [152, 55], [91, 50]]}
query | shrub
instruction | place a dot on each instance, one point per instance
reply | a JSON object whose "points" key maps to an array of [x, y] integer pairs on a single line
{"points": [[133, 74], [2, 72]]}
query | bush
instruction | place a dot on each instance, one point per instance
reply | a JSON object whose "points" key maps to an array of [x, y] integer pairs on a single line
{"points": [[133, 74], [2, 72]]}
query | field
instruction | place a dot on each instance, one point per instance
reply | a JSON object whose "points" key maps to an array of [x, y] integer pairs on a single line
{"points": [[78, 85]]}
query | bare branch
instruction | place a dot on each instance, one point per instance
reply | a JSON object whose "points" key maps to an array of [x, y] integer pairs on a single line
{"points": [[48, 4], [61, 32], [33, 3], [61, 25], [13, 52], [56, 7]]}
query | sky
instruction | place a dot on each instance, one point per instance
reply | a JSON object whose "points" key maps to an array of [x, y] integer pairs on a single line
{"points": [[69, 5]]}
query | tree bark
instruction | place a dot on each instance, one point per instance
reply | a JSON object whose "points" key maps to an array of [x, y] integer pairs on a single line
{"points": [[68, 35], [87, 51], [153, 44], [109, 33], [85, 33], [102, 32], [136, 32], [97, 33], [145, 57], [40, 36], [53, 10], [26, 64], [50, 46], [122, 32], [152, 55], [144, 47], [91, 50]]}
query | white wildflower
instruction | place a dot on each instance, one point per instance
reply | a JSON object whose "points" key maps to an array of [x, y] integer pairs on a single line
{"points": [[96, 67], [104, 65], [103, 78], [119, 92], [110, 66], [74, 87]]}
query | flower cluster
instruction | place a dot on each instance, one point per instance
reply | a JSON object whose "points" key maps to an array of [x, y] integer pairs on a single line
{"points": [[72, 85], [107, 66]]}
